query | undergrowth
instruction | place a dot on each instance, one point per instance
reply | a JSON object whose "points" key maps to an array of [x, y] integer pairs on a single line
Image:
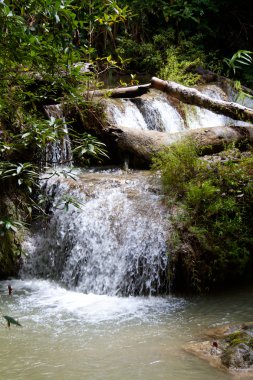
{"points": [[211, 202]]}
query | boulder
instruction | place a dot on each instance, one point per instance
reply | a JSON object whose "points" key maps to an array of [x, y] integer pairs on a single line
{"points": [[228, 347]]}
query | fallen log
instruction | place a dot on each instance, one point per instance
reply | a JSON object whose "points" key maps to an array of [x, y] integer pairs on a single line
{"points": [[121, 92], [194, 97], [140, 146]]}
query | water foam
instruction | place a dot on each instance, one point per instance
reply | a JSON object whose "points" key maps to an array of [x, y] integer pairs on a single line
{"points": [[115, 244]]}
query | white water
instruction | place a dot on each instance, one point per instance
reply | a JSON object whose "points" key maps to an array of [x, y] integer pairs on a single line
{"points": [[59, 151], [145, 113], [197, 117], [127, 114], [115, 244], [155, 112]]}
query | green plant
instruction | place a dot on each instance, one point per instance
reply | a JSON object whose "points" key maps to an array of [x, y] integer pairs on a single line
{"points": [[241, 65], [239, 59], [177, 68], [213, 218], [23, 174], [178, 165], [8, 224], [87, 146], [39, 133]]}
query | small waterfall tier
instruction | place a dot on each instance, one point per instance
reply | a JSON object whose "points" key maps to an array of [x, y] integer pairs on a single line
{"points": [[149, 112], [114, 244], [59, 151], [157, 111]]}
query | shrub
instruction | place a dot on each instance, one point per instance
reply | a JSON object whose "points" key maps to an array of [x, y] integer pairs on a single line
{"points": [[178, 70], [213, 220]]}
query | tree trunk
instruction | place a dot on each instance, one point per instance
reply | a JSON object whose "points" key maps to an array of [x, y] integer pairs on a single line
{"points": [[122, 92], [140, 146], [194, 97]]}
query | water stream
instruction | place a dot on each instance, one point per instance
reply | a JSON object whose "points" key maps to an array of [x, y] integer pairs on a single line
{"points": [[156, 111], [114, 244], [59, 151], [93, 295]]}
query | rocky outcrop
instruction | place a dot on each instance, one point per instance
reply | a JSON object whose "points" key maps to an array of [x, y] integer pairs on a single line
{"points": [[228, 347]]}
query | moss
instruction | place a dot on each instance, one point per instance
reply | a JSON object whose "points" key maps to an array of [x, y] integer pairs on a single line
{"points": [[250, 343], [237, 338]]}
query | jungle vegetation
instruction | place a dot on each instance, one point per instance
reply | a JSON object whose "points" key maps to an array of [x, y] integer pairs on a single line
{"points": [[44, 46], [211, 202]]}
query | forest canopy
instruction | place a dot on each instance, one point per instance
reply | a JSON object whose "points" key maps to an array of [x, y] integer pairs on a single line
{"points": [[136, 34]]}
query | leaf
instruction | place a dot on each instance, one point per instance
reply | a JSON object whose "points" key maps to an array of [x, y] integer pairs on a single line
{"points": [[11, 320], [13, 228], [57, 18], [19, 168], [25, 135]]}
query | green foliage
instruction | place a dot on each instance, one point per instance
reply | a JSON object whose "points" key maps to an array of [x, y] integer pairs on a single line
{"points": [[180, 60], [215, 221], [177, 164], [23, 174], [39, 133], [239, 59], [241, 65], [178, 71], [9, 225], [87, 146], [145, 57]]}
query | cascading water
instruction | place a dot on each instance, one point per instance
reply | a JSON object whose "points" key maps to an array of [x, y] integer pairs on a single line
{"points": [[115, 244], [155, 111], [58, 152], [197, 117], [146, 113], [159, 114]]}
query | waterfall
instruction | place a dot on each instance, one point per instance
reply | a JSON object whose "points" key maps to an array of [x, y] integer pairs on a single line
{"points": [[114, 244], [145, 113], [197, 117], [58, 152], [159, 114], [156, 111]]}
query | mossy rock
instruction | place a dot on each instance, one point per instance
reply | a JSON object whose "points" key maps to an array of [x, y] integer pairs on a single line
{"points": [[239, 351], [232, 351], [237, 356], [237, 338]]}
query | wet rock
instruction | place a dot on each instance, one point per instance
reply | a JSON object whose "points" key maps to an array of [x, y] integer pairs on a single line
{"points": [[229, 347], [238, 356]]}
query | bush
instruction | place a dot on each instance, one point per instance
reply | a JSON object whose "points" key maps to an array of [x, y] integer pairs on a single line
{"points": [[142, 57], [178, 70], [212, 215]]}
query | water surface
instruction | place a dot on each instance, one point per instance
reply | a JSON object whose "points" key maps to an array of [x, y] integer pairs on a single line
{"points": [[71, 335]]}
